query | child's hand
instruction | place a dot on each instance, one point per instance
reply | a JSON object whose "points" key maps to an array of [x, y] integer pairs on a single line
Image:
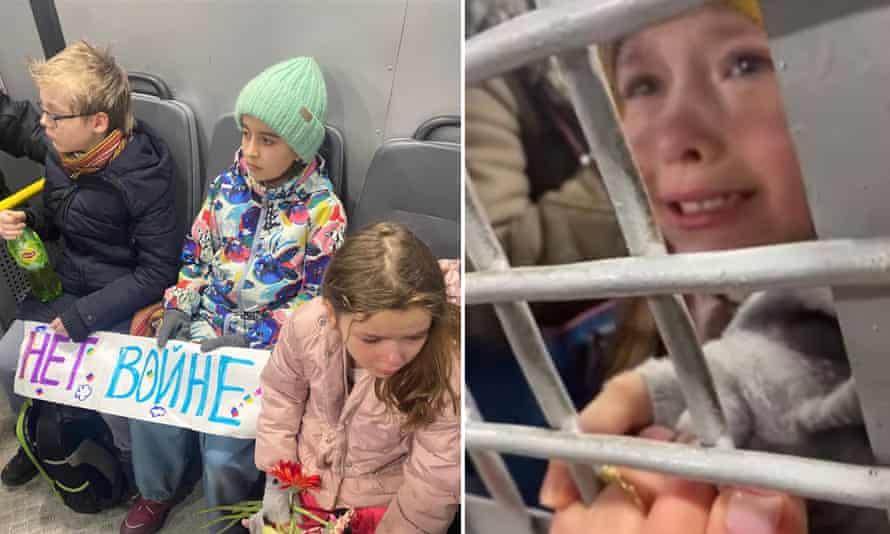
{"points": [[174, 324], [673, 505], [12, 224], [230, 340], [451, 272], [276, 509], [59, 327], [255, 525], [622, 406]]}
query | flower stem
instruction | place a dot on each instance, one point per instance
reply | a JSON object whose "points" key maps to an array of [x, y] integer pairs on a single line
{"points": [[310, 515]]}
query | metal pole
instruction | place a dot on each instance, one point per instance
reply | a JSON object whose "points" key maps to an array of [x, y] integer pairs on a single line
{"points": [[594, 109], [485, 252], [494, 475], [798, 265], [817, 479], [552, 30]]}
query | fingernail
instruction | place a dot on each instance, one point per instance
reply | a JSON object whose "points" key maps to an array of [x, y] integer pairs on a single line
{"points": [[658, 433], [546, 494], [551, 491], [751, 513]]}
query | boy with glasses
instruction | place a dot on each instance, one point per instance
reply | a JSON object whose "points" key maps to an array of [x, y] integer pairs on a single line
{"points": [[108, 194]]}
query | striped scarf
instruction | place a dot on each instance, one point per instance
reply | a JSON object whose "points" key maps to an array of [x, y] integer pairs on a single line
{"points": [[95, 158]]}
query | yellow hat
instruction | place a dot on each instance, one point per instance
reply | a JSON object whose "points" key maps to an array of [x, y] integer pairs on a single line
{"points": [[606, 52], [748, 7]]}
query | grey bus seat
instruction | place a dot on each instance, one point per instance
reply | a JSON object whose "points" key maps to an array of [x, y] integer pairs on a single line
{"points": [[416, 182], [445, 128], [226, 139], [175, 123], [15, 284]]}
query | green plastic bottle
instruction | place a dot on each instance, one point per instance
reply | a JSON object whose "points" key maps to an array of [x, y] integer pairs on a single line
{"points": [[28, 251]]}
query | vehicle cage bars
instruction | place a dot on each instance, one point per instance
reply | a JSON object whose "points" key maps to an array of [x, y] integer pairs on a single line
{"points": [[854, 267]]}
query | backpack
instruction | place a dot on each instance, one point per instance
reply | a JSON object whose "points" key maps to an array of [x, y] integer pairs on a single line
{"points": [[73, 449]]}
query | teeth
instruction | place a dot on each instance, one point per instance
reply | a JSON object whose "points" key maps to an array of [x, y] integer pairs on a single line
{"points": [[711, 204]]}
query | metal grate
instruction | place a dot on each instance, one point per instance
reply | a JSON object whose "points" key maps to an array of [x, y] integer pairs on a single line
{"points": [[566, 30], [15, 278]]}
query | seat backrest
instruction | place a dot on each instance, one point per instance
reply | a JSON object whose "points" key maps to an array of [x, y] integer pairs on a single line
{"points": [[415, 182], [175, 123], [226, 139], [14, 283]]}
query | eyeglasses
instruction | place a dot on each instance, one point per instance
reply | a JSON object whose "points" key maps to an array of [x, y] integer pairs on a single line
{"points": [[53, 118]]}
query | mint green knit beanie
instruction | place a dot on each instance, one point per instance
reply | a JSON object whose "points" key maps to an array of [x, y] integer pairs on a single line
{"points": [[291, 98]]}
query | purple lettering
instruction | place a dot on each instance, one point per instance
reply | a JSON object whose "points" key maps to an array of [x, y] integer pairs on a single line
{"points": [[51, 357], [83, 348], [31, 350]]}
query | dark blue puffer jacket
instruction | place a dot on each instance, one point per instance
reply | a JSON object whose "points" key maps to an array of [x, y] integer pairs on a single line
{"points": [[120, 246]]}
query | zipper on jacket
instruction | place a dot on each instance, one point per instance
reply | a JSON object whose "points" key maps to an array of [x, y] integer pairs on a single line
{"points": [[261, 222]]}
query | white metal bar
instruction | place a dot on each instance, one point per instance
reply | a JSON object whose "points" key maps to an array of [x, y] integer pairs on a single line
{"points": [[553, 30], [494, 475], [798, 265], [489, 517], [485, 252], [816, 479], [628, 196]]}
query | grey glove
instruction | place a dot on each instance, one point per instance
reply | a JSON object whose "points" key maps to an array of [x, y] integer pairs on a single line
{"points": [[229, 340], [276, 507], [175, 325]]}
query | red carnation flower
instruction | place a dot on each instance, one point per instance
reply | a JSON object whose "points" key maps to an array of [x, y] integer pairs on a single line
{"points": [[291, 476]]}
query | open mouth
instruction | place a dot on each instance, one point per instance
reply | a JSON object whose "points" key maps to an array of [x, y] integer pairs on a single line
{"points": [[708, 211], [708, 205], [716, 203]]}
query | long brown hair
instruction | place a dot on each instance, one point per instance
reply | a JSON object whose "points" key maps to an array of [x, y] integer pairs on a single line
{"points": [[386, 267], [636, 338]]}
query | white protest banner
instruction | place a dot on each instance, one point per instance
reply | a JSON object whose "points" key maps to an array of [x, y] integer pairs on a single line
{"points": [[216, 392]]}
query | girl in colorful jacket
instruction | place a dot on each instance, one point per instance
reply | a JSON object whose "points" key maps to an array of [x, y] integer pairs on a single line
{"points": [[257, 251], [362, 390]]}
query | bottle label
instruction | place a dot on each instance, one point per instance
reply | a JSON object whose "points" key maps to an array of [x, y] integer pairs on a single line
{"points": [[28, 252]]}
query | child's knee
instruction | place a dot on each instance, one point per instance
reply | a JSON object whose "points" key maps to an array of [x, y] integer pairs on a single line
{"points": [[230, 453], [9, 347]]}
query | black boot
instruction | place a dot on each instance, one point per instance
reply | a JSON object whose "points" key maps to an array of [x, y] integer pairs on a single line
{"points": [[18, 470]]}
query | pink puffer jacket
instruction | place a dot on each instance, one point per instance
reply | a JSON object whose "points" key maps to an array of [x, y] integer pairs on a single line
{"points": [[352, 440]]}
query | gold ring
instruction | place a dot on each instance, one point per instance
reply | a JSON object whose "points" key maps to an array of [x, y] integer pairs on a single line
{"points": [[610, 474]]}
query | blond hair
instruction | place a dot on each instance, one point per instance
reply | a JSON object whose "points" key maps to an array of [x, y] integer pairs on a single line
{"points": [[607, 53], [93, 79], [386, 267]]}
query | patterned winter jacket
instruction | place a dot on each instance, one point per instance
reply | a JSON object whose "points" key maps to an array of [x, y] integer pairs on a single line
{"points": [[256, 254]]}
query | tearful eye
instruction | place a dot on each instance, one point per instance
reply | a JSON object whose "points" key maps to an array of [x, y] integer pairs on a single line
{"points": [[749, 64], [637, 86]]}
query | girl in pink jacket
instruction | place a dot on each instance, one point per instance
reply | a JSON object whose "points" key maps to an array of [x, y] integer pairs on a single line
{"points": [[362, 391]]}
